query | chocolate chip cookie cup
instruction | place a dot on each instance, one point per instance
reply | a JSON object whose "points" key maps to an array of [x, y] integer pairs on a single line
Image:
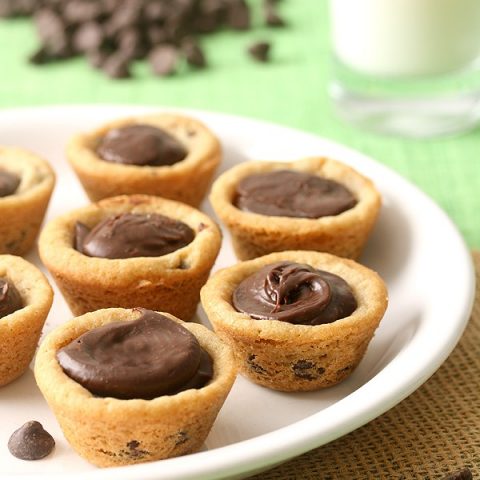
{"points": [[167, 278], [296, 320], [312, 204], [168, 155], [110, 431], [25, 300], [26, 185]]}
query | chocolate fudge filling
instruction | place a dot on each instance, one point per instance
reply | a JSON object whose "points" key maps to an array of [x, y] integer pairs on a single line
{"points": [[141, 145], [294, 293], [286, 193], [9, 183], [131, 235], [143, 358], [10, 299]]}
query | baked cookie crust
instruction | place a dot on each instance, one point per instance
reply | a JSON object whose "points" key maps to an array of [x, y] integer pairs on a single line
{"points": [[186, 181], [22, 212], [20, 331], [254, 235], [110, 432], [288, 357], [168, 283]]}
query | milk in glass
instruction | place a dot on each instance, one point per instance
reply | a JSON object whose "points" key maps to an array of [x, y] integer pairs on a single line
{"points": [[407, 66]]}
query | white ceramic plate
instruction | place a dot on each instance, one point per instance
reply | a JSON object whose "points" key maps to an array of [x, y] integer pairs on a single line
{"points": [[415, 247]]}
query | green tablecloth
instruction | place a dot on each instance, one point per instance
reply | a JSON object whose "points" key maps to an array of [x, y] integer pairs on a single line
{"points": [[291, 90]]}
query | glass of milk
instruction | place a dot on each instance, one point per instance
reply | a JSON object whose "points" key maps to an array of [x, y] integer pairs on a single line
{"points": [[410, 67]]}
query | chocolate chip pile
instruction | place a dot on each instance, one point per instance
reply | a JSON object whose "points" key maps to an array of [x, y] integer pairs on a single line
{"points": [[114, 33]]}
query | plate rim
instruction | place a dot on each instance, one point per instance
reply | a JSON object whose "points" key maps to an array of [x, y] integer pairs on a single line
{"points": [[260, 453]]}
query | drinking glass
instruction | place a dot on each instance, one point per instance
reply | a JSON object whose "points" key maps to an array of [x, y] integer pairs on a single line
{"points": [[409, 67]]}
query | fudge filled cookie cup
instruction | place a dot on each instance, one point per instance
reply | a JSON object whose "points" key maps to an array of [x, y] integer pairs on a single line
{"points": [[296, 320], [25, 301], [168, 155], [107, 405], [312, 204], [129, 251], [26, 185]]}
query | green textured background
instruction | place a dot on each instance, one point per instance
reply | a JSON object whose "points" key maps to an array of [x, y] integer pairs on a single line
{"points": [[291, 90]]}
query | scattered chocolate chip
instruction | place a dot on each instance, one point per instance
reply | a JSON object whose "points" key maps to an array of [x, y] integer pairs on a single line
{"points": [[238, 15], [7, 9], [50, 27], [31, 442], [156, 35], [131, 44], [78, 11], [112, 37], [260, 51], [117, 66], [156, 11], [463, 474], [129, 14], [48, 54], [163, 60], [53, 34], [193, 53], [97, 58], [25, 7], [39, 57], [210, 17], [88, 37], [272, 18]]}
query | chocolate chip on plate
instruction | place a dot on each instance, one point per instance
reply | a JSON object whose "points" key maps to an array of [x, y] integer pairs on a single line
{"points": [[31, 442]]}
